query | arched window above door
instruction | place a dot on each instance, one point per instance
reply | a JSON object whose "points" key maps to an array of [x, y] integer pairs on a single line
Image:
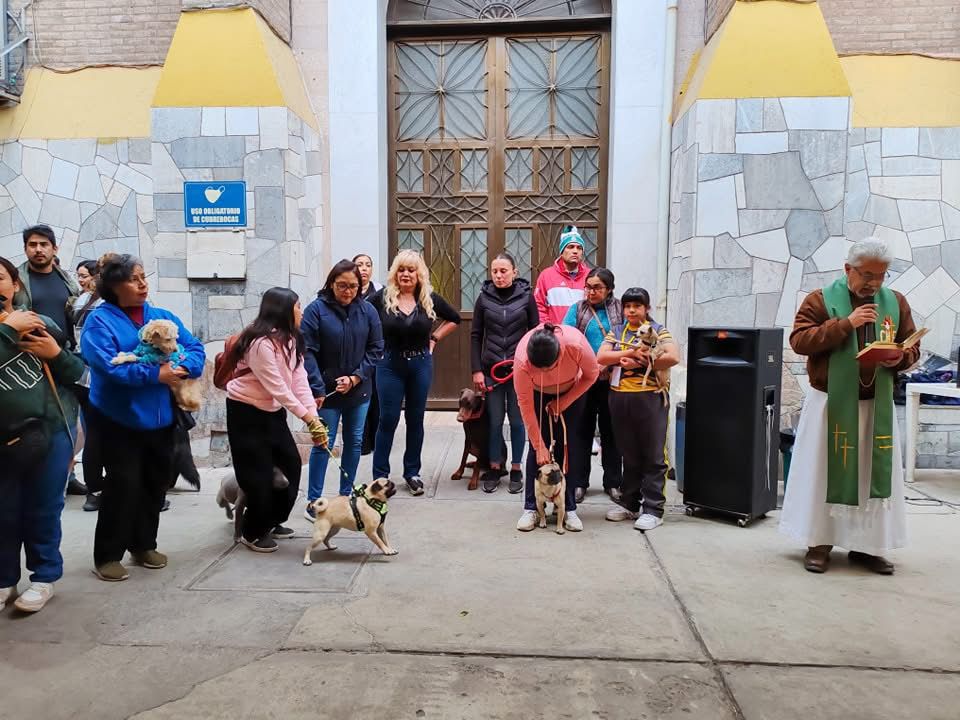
{"points": [[433, 11]]}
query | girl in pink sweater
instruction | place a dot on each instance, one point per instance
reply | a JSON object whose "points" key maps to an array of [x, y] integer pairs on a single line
{"points": [[552, 369], [269, 381]]}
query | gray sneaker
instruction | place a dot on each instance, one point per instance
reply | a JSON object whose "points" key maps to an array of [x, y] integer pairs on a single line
{"points": [[619, 514]]}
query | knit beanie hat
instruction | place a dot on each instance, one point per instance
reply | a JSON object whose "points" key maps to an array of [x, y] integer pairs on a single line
{"points": [[570, 234]]}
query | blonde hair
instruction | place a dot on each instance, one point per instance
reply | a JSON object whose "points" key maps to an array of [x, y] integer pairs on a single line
{"points": [[391, 292]]}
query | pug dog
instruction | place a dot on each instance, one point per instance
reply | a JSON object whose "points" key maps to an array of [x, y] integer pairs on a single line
{"points": [[231, 498], [340, 513], [551, 486]]}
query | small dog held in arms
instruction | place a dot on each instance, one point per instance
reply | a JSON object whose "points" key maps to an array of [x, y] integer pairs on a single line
{"points": [[231, 498], [158, 345], [364, 511], [551, 486], [476, 436]]}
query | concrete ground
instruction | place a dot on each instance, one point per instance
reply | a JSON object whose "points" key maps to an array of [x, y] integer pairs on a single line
{"points": [[698, 619]]}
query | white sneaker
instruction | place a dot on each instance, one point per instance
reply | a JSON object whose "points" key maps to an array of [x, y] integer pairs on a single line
{"points": [[527, 521], [571, 522], [647, 522], [6, 594], [618, 514], [34, 597]]}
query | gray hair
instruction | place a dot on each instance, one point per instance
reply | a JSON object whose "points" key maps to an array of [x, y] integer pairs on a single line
{"points": [[870, 248]]}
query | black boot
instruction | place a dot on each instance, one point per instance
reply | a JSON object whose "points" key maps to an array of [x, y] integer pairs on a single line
{"points": [[74, 486], [92, 504]]}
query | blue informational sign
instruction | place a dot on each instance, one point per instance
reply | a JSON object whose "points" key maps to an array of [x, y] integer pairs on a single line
{"points": [[218, 204]]}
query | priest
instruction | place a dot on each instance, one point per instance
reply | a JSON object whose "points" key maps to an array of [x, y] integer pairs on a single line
{"points": [[845, 486]]}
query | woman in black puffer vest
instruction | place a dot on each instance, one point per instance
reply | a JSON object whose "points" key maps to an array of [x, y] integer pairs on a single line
{"points": [[502, 314]]}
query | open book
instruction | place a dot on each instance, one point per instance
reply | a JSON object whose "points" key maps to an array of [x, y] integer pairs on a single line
{"points": [[879, 351]]}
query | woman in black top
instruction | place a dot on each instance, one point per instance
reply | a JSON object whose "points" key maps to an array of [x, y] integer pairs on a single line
{"points": [[408, 308], [502, 314]]}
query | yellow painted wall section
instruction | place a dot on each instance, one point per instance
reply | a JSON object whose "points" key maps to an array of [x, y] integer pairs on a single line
{"points": [[218, 58], [770, 48], [230, 58], [288, 74], [903, 90], [89, 103]]}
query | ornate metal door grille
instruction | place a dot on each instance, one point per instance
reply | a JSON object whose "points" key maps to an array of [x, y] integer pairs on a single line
{"points": [[496, 143]]}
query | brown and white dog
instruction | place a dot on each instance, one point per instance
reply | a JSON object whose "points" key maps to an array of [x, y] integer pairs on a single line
{"points": [[158, 345], [355, 512], [551, 486]]}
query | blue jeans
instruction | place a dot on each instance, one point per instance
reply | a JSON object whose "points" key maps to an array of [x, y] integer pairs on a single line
{"points": [[30, 509], [401, 381], [502, 400], [354, 419]]}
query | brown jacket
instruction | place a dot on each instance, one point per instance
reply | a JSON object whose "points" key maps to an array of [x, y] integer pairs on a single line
{"points": [[816, 335]]}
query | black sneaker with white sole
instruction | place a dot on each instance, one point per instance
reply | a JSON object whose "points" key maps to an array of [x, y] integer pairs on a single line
{"points": [[281, 532], [415, 485], [263, 545]]}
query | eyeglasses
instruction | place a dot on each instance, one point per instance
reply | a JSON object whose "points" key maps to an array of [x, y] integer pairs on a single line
{"points": [[870, 277], [595, 288], [343, 286]]}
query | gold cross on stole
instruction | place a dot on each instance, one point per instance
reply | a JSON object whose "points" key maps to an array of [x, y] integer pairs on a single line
{"points": [[837, 447]]}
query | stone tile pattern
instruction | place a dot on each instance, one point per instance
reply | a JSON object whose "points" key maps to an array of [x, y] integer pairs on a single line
{"points": [[97, 195], [278, 155], [126, 195], [768, 194]]}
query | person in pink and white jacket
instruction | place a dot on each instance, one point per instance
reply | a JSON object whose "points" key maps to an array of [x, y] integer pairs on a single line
{"points": [[562, 284], [269, 380]]}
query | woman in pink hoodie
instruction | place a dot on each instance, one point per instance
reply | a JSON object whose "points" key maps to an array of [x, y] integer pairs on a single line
{"points": [[552, 369], [269, 380]]}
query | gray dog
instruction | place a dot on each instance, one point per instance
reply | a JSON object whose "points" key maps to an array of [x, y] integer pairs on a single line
{"points": [[231, 498]]}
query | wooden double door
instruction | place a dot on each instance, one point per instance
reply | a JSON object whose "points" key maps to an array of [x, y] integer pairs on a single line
{"points": [[496, 143]]}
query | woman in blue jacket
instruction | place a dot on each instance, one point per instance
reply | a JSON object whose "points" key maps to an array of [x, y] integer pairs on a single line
{"points": [[131, 404], [344, 342]]}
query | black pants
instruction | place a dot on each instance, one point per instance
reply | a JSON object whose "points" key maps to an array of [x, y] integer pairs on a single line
{"points": [[596, 409], [92, 460], [260, 441], [640, 424], [373, 419], [138, 471], [570, 416]]}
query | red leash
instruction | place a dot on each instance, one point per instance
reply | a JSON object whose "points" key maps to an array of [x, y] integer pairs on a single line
{"points": [[506, 365]]}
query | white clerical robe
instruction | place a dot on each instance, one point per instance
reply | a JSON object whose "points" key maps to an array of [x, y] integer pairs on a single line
{"points": [[874, 526]]}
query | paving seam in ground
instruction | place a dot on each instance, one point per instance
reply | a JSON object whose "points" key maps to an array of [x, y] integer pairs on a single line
{"points": [[695, 631]]}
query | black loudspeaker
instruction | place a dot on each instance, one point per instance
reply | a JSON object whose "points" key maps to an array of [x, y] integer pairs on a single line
{"points": [[732, 432]]}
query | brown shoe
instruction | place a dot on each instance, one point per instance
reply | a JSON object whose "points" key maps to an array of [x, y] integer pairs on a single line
{"points": [[817, 559], [873, 563], [111, 572], [150, 559]]}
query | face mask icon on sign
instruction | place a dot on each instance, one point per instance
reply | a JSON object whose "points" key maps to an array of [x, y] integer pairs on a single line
{"points": [[213, 194]]}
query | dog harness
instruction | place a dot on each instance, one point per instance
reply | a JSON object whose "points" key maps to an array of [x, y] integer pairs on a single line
{"points": [[360, 491]]}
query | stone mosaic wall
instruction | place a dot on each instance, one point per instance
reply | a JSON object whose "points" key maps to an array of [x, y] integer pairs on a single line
{"points": [[97, 195], [903, 185], [216, 278], [767, 196], [126, 195]]}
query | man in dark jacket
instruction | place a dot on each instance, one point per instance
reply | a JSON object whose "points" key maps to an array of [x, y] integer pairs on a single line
{"points": [[47, 289], [502, 314], [344, 342]]}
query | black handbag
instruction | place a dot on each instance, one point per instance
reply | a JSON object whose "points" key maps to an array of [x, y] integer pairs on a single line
{"points": [[25, 444]]}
